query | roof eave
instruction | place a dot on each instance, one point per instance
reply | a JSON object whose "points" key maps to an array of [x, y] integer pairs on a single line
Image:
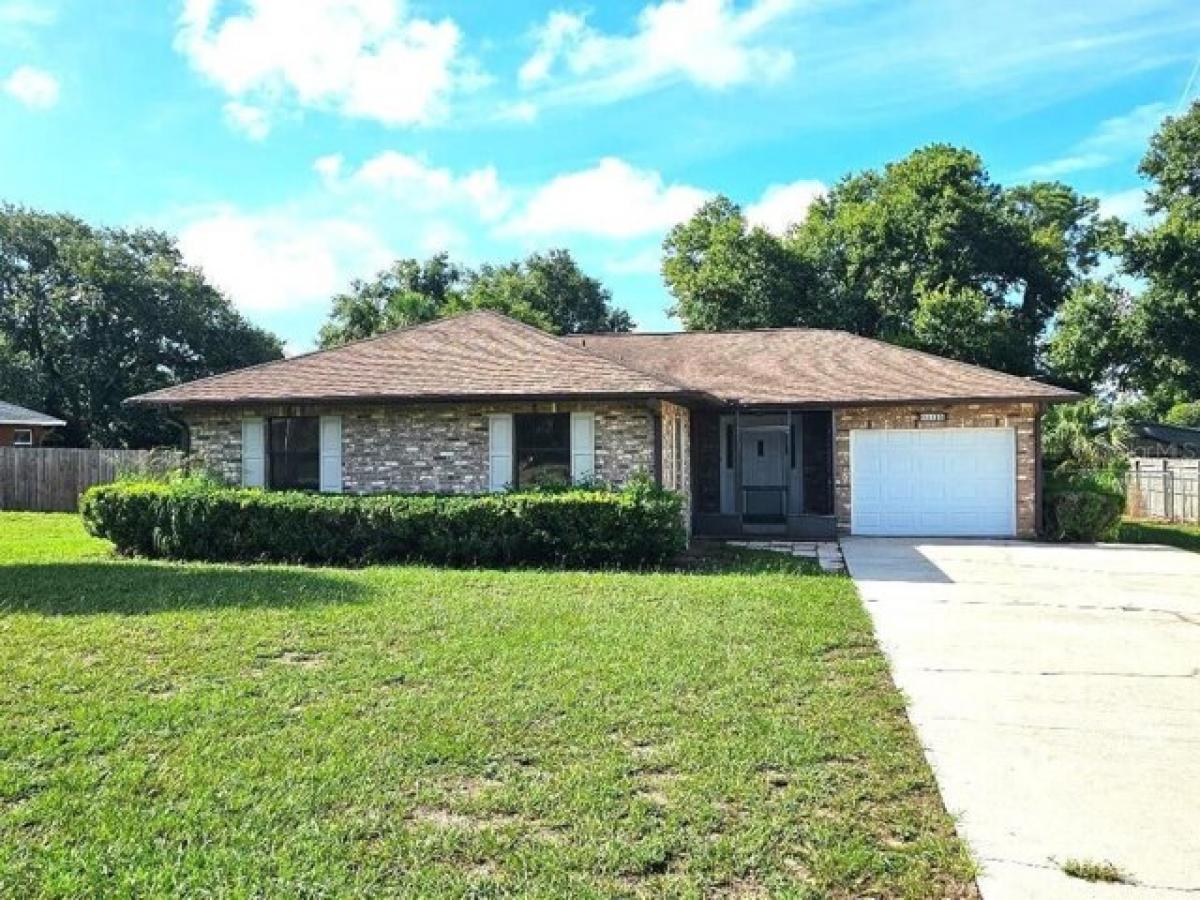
{"points": [[411, 399], [843, 403]]}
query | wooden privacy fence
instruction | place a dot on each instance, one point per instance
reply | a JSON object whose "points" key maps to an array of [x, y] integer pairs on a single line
{"points": [[1163, 489], [50, 479]]}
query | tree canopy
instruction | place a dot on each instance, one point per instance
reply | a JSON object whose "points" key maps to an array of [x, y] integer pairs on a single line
{"points": [[90, 316], [928, 252], [1164, 323], [546, 290]]}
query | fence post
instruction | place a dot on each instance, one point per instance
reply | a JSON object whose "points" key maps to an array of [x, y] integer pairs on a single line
{"points": [[1169, 494]]}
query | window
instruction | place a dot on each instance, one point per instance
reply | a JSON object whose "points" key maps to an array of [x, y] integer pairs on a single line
{"points": [[543, 449], [293, 453], [22, 437]]}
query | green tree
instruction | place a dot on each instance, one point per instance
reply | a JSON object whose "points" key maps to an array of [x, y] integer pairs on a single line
{"points": [[90, 316], [934, 224], [1083, 436], [546, 290], [962, 324], [928, 252], [407, 293], [1091, 343], [1165, 320], [1184, 414], [725, 274]]}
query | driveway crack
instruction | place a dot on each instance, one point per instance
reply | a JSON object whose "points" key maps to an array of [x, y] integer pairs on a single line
{"points": [[954, 670], [1052, 867]]}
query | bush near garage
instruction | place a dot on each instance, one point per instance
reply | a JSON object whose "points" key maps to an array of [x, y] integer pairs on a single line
{"points": [[1083, 506], [195, 520]]}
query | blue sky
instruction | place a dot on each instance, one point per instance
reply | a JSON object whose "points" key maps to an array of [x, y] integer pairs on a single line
{"points": [[295, 144]]}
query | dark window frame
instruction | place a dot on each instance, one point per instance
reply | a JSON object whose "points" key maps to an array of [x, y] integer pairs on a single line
{"points": [[293, 468], [552, 450]]}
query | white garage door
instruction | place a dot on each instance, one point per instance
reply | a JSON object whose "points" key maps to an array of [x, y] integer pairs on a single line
{"points": [[949, 482]]}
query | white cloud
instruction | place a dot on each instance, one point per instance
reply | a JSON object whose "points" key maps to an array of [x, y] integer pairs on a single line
{"points": [[27, 14], [36, 88], [1129, 205], [443, 237], [329, 167], [421, 187], [250, 120], [518, 111], [784, 205], [1113, 140], [559, 32], [281, 261], [709, 43], [612, 199], [365, 59]]}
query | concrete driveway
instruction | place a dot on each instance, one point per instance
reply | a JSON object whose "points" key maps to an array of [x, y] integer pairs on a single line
{"points": [[1057, 692]]}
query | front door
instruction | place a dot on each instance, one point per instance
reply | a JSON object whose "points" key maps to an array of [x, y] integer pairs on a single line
{"points": [[764, 455]]}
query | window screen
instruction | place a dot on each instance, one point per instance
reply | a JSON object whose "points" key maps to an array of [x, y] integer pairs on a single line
{"points": [[543, 449], [294, 453]]}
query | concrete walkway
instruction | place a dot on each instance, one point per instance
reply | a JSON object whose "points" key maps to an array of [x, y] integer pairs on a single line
{"points": [[1057, 692]]}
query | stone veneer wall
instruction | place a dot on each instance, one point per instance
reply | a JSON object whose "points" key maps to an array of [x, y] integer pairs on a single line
{"points": [[677, 455], [426, 448], [1023, 417]]}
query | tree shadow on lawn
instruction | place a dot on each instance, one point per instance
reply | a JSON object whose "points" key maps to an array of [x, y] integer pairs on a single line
{"points": [[141, 588]]}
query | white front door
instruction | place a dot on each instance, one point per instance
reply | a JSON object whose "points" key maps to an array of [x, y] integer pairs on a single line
{"points": [[764, 473], [952, 482]]}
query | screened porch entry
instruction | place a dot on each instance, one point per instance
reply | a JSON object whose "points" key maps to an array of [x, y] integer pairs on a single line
{"points": [[763, 472]]}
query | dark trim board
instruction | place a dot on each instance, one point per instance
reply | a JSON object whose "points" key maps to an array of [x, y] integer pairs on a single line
{"points": [[803, 527]]}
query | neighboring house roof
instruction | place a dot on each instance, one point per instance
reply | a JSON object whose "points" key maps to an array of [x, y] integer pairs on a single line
{"points": [[11, 414], [810, 366], [484, 354], [476, 355], [1166, 434]]}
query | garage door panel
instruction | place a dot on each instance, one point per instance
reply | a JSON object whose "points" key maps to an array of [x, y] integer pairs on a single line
{"points": [[953, 482]]}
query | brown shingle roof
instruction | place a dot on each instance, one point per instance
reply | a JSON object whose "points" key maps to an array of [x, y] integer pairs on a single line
{"points": [[486, 355], [474, 355], [810, 366]]}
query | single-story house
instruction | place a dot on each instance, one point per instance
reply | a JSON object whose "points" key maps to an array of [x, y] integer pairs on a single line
{"points": [[790, 431], [1162, 441], [21, 427]]}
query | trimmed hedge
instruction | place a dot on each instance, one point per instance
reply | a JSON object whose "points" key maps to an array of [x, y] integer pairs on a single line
{"points": [[1083, 506], [640, 525]]}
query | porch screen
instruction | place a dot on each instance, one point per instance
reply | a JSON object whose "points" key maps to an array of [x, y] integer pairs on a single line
{"points": [[816, 453]]}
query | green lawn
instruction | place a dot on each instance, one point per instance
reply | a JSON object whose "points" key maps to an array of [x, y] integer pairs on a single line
{"points": [[1174, 534], [231, 731]]}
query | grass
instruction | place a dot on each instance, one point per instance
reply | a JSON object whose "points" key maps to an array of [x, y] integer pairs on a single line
{"points": [[225, 731], [1173, 534], [1092, 870]]}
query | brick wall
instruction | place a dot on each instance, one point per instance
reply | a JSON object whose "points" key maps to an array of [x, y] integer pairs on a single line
{"points": [[1022, 417], [435, 447], [8, 434], [677, 455]]}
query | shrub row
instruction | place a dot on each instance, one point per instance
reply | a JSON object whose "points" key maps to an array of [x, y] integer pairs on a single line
{"points": [[639, 525], [1083, 506]]}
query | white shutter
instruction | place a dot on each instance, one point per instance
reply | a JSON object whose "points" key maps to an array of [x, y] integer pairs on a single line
{"points": [[500, 451], [254, 463], [331, 454], [583, 446]]}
